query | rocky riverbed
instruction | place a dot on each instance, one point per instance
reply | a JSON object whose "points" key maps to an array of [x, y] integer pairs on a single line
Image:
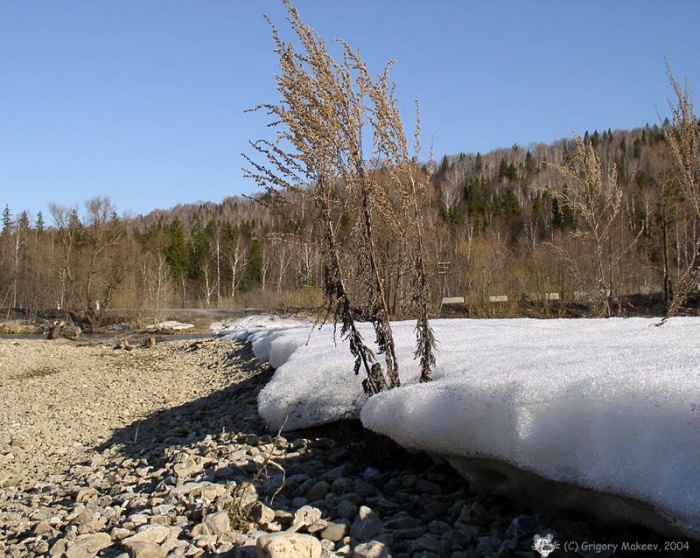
{"points": [[159, 451]]}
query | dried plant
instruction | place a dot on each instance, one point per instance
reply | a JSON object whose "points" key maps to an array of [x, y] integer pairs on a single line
{"points": [[325, 110], [683, 138]]}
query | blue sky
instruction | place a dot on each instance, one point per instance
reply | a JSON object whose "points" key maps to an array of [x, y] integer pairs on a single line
{"points": [[143, 100]]}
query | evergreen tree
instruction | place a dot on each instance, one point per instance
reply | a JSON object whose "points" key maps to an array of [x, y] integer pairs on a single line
{"points": [[557, 219], [254, 269], [23, 221], [530, 165], [567, 213], [6, 220], [502, 169], [444, 165], [637, 148], [478, 165], [511, 206], [177, 251], [39, 224]]}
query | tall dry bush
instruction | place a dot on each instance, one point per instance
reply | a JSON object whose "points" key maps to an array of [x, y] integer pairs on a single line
{"points": [[683, 138], [595, 198], [326, 110]]}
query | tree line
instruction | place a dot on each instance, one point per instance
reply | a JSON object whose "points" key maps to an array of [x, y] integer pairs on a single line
{"points": [[587, 218], [503, 222]]}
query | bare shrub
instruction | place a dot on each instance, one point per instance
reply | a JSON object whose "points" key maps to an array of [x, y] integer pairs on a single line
{"points": [[326, 110]]}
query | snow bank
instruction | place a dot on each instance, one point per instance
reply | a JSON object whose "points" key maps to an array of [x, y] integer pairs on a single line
{"points": [[244, 326], [612, 405]]}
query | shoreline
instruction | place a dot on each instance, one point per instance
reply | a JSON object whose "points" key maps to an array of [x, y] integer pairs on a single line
{"points": [[163, 447]]}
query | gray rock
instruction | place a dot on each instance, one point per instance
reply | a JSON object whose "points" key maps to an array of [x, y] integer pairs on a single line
{"points": [[318, 491], [428, 487], [488, 544], [218, 523], [372, 549], [439, 527], [475, 514], [367, 525], [346, 509], [426, 542]]}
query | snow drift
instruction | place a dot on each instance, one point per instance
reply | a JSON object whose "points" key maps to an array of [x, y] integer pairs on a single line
{"points": [[609, 405]]}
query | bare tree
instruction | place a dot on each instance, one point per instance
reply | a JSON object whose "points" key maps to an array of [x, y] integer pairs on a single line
{"points": [[595, 197], [237, 259], [326, 108]]}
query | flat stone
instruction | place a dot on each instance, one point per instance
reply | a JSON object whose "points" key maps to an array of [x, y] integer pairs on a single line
{"points": [[153, 534], [144, 549], [87, 546]]}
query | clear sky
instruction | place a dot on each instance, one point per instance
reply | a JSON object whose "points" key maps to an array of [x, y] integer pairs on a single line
{"points": [[143, 100]]}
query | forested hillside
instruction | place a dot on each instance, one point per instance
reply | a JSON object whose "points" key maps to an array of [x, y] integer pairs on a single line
{"points": [[503, 223]]}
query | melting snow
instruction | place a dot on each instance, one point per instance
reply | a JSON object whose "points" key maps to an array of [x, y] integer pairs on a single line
{"points": [[173, 325], [612, 405]]}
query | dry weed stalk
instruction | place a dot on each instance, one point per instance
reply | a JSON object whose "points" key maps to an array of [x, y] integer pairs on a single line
{"points": [[326, 107], [683, 137]]}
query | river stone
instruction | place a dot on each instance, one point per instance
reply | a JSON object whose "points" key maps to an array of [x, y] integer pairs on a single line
{"points": [[372, 549], [367, 525], [288, 545], [346, 509], [306, 515], [334, 532], [144, 549], [260, 513], [318, 491], [87, 546], [218, 523], [153, 534]]}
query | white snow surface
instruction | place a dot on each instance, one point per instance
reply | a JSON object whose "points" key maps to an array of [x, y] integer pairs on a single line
{"points": [[172, 324], [612, 405]]}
